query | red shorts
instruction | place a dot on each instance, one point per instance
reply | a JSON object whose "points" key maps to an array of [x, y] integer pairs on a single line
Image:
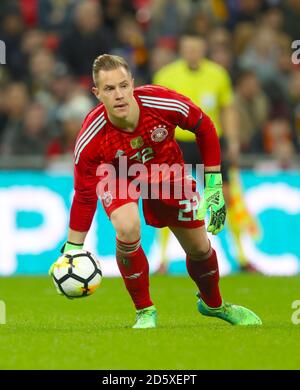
{"points": [[161, 212]]}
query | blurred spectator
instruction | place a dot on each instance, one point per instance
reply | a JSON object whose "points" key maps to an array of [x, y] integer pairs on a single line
{"points": [[200, 22], [130, 45], [161, 55], [291, 12], [261, 54], [294, 101], [278, 144], [276, 132], [273, 18], [220, 50], [30, 136], [71, 116], [11, 29], [168, 19], [243, 11], [15, 100], [114, 11], [86, 39], [252, 107], [3, 116], [242, 36], [62, 88], [219, 36], [6, 6], [41, 69], [223, 56], [284, 153], [55, 15], [28, 8], [32, 41], [277, 88], [284, 63]]}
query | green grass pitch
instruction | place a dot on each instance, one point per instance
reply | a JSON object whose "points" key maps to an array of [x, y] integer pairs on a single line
{"points": [[47, 331]]}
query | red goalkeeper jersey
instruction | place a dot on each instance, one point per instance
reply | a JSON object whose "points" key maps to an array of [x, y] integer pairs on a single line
{"points": [[152, 142]]}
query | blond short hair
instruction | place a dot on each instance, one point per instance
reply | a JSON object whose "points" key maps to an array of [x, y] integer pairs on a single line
{"points": [[108, 62]]}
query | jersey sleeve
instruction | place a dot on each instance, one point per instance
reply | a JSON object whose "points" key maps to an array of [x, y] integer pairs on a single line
{"points": [[85, 198], [190, 117], [184, 112]]}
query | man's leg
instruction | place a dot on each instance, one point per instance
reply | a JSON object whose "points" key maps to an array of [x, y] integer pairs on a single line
{"points": [[202, 263], [202, 266], [132, 262]]}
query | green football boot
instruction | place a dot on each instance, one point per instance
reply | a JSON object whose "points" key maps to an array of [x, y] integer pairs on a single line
{"points": [[234, 314], [145, 318]]}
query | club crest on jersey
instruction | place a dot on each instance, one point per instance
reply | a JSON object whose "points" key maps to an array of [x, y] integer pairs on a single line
{"points": [[137, 142], [158, 134]]}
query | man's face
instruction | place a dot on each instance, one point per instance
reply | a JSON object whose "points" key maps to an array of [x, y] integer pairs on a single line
{"points": [[250, 86], [115, 91], [192, 50]]}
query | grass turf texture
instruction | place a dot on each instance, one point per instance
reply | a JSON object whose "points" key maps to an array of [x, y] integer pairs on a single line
{"points": [[47, 331]]}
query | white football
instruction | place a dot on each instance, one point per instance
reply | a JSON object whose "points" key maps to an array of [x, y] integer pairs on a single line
{"points": [[76, 274]]}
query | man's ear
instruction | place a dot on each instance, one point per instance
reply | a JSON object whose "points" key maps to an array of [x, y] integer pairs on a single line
{"points": [[95, 91]]}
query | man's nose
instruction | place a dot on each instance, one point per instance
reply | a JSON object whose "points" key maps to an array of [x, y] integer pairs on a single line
{"points": [[119, 94]]}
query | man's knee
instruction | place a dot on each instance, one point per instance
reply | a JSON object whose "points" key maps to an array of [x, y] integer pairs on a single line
{"points": [[201, 252], [128, 230], [126, 221]]}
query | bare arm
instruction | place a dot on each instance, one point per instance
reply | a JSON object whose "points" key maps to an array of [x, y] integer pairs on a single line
{"points": [[76, 237], [213, 168]]}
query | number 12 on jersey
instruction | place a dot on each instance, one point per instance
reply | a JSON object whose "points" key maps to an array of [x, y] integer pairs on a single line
{"points": [[143, 155]]}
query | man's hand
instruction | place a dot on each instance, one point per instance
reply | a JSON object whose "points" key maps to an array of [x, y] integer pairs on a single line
{"points": [[214, 201], [65, 248]]}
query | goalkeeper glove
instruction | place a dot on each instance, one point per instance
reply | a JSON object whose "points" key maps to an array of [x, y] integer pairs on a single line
{"points": [[68, 246], [214, 201]]}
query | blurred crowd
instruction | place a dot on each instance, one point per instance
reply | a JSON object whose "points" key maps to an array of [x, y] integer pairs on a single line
{"points": [[51, 44]]}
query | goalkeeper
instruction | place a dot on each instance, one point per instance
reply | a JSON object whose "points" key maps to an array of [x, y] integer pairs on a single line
{"points": [[138, 125]]}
